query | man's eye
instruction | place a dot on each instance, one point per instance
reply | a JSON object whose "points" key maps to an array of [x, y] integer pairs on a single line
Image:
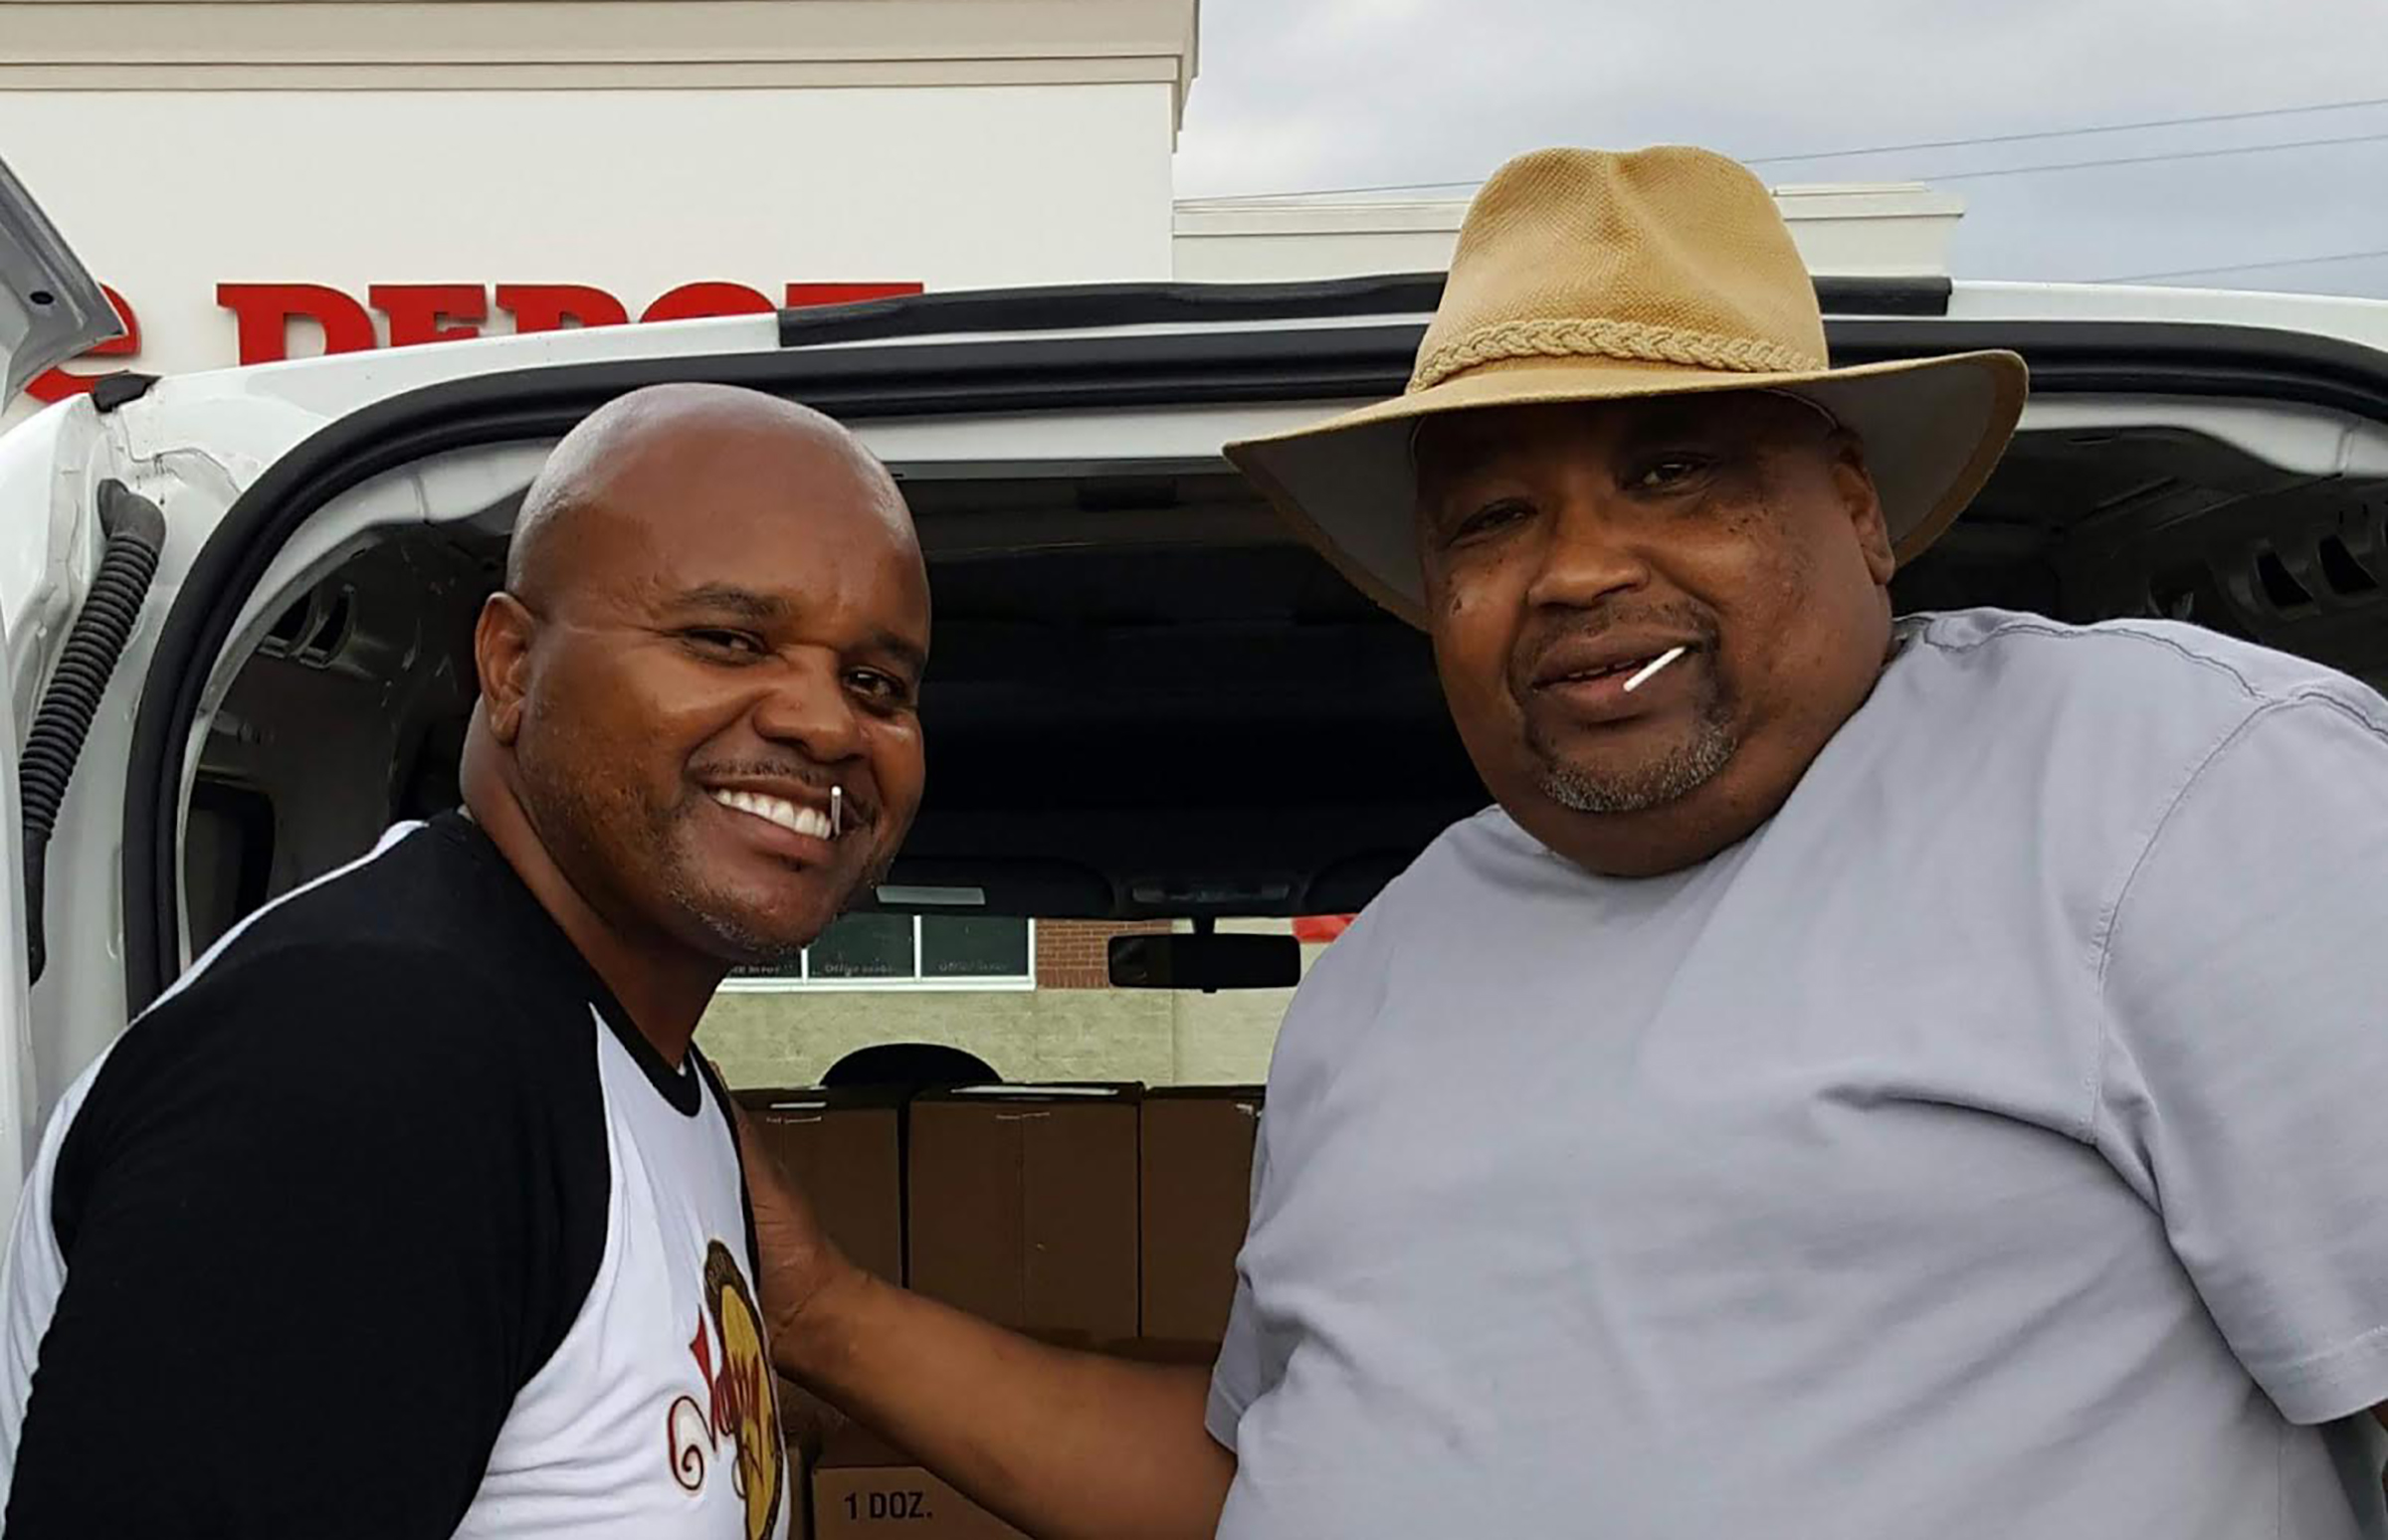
{"points": [[1668, 471], [736, 642], [882, 690], [1491, 518]]}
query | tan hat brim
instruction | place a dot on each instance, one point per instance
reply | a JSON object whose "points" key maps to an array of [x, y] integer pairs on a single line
{"points": [[1933, 429]]}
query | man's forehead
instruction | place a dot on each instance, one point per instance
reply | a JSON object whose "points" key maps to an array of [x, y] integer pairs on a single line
{"points": [[763, 549], [736, 484], [772, 565], [785, 558]]}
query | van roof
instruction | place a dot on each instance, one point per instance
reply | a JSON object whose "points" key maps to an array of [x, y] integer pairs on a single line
{"points": [[1113, 310]]}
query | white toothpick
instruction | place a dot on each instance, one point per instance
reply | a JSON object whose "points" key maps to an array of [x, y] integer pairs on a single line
{"points": [[837, 811], [1653, 665]]}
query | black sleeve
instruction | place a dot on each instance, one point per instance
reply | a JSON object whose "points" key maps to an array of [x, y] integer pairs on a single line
{"points": [[322, 1214]]}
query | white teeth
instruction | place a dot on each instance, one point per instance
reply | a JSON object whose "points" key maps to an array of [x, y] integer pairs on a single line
{"points": [[787, 815]]}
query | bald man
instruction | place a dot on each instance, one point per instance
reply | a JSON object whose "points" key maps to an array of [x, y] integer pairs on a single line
{"points": [[410, 1211]]}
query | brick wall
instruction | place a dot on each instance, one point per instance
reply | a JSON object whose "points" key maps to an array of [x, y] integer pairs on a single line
{"points": [[1074, 954]]}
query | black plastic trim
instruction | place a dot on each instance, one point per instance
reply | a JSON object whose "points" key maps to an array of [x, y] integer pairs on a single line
{"points": [[1088, 306], [1042, 374], [122, 388], [2168, 359], [1884, 295]]}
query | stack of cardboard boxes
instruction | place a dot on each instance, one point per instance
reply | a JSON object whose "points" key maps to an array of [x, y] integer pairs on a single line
{"points": [[1102, 1217]]}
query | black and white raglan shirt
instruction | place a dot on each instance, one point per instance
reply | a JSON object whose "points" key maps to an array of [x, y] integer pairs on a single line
{"points": [[385, 1222]]}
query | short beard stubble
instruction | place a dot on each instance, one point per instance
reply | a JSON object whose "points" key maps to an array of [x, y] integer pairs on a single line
{"points": [[1669, 778]]}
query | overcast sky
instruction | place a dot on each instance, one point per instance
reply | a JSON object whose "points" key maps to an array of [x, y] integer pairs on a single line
{"points": [[1299, 94]]}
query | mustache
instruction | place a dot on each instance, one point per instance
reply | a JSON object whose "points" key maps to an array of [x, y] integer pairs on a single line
{"points": [[861, 807]]}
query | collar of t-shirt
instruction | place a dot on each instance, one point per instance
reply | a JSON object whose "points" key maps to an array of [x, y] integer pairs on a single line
{"points": [[535, 935]]}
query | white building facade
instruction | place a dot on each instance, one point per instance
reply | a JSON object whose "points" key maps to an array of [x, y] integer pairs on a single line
{"points": [[260, 179]]}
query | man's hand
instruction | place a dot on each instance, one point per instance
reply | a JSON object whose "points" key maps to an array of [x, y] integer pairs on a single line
{"points": [[796, 1260]]}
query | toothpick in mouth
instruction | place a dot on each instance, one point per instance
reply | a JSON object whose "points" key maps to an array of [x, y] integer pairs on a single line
{"points": [[1653, 665]]}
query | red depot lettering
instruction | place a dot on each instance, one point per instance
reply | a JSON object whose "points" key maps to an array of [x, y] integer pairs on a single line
{"points": [[1319, 930], [805, 296], [691, 300], [57, 384], [431, 313], [553, 306], [265, 311]]}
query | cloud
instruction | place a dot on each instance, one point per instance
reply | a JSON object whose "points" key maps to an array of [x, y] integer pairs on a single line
{"points": [[1301, 94]]}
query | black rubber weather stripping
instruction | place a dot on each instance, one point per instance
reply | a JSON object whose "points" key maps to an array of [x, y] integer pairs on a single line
{"points": [[133, 535], [1884, 296], [2161, 358], [1007, 376], [1086, 306], [1090, 306]]}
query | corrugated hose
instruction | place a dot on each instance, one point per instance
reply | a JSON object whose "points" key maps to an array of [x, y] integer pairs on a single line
{"points": [[133, 535]]}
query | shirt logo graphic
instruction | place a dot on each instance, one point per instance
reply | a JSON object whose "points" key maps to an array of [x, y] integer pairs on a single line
{"points": [[741, 1403]]}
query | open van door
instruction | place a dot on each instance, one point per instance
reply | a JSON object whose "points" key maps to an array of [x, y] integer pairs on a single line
{"points": [[50, 309]]}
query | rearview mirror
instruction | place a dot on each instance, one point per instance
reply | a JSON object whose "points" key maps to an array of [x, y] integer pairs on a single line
{"points": [[1208, 963]]}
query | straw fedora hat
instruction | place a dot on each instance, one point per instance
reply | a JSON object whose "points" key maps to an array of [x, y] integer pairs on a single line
{"points": [[1590, 275]]}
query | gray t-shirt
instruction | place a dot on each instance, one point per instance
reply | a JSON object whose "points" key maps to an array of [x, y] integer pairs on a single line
{"points": [[1993, 1145]]}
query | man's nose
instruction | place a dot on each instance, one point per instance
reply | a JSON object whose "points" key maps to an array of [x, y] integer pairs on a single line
{"points": [[1589, 555], [808, 707]]}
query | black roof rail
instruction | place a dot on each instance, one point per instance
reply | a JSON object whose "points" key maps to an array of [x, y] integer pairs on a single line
{"points": [[1884, 296], [1080, 307]]}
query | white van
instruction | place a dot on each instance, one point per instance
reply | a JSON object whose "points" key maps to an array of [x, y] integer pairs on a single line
{"points": [[1148, 701]]}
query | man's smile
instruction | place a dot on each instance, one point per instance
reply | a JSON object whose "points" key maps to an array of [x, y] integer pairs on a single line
{"points": [[797, 820]]}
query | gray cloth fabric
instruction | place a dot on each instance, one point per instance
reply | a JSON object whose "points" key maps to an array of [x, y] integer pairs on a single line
{"points": [[1990, 1146]]}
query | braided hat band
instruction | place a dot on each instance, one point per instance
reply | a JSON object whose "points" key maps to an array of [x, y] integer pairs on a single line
{"points": [[1629, 340]]}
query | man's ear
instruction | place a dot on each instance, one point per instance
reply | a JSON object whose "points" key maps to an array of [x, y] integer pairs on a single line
{"points": [[502, 657], [1864, 505]]}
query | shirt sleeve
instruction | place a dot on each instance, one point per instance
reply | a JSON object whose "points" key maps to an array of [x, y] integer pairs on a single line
{"points": [[1242, 1368], [2246, 986], [312, 1214]]}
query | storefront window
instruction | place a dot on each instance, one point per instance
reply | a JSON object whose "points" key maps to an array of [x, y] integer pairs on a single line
{"points": [[865, 947], [973, 947], [863, 952]]}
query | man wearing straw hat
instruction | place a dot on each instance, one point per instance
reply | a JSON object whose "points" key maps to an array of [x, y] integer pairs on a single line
{"points": [[1865, 1078]]}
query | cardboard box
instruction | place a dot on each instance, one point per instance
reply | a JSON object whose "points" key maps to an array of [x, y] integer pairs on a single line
{"points": [[1196, 1202], [862, 1489], [844, 1148], [1024, 1207]]}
